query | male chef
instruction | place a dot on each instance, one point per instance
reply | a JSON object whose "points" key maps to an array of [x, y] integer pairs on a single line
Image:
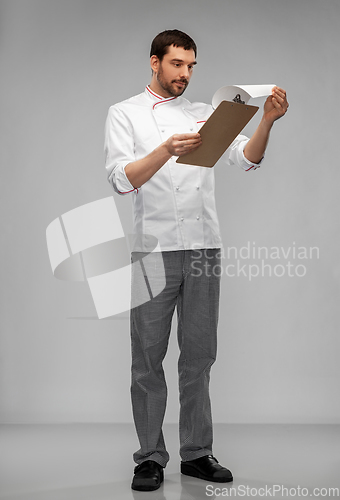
{"points": [[175, 204]]}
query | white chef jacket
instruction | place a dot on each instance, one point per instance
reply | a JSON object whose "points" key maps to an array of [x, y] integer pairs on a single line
{"points": [[177, 204]]}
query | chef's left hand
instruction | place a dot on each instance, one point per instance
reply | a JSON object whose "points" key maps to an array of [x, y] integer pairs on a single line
{"points": [[275, 106]]}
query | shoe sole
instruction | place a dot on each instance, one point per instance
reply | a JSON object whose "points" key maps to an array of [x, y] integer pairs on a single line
{"points": [[145, 487], [187, 470]]}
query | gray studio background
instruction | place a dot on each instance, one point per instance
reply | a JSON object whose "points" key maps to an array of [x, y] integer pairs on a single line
{"points": [[63, 63]]}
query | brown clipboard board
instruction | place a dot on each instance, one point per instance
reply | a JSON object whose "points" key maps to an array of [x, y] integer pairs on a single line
{"points": [[218, 132]]}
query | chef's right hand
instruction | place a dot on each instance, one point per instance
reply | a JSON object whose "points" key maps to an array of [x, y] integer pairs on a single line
{"points": [[181, 144]]}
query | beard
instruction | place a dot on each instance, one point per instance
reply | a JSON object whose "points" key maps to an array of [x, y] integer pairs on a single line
{"points": [[170, 87]]}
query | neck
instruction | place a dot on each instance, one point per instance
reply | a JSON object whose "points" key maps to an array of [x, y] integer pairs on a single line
{"points": [[155, 87]]}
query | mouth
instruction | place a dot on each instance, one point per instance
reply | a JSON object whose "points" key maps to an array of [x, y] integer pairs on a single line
{"points": [[181, 84]]}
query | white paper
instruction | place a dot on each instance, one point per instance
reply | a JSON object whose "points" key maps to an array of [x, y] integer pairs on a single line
{"points": [[245, 92]]}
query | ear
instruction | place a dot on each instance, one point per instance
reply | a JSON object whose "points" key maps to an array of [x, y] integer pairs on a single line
{"points": [[154, 63]]}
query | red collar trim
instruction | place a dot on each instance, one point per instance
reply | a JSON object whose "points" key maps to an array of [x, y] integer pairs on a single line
{"points": [[149, 90], [162, 99]]}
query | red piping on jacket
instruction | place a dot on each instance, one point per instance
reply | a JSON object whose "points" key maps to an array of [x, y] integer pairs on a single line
{"points": [[161, 101], [147, 88], [125, 192]]}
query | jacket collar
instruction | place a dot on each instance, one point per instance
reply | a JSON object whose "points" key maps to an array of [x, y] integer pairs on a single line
{"points": [[157, 99]]}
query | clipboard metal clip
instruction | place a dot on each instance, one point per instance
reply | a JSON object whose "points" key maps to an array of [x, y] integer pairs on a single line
{"points": [[237, 98]]}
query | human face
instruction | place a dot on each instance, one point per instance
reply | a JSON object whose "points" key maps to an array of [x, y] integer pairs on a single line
{"points": [[172, 75]]}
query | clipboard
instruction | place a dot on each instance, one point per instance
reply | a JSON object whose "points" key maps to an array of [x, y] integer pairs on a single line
{"points": [[218, 132]]}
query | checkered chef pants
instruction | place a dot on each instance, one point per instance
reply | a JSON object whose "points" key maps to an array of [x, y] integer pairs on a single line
{"points": [[193, 285]]}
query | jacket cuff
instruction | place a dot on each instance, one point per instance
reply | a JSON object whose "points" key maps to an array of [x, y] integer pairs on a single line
{"points": [[248, 165], [119, 180]]}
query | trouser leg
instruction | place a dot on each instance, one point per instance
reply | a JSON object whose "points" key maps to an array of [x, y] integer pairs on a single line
{"points": [[197, 309], [150, 329]]}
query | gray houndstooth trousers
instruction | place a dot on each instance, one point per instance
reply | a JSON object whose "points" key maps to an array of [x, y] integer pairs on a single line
{"points": [[193, 285]]}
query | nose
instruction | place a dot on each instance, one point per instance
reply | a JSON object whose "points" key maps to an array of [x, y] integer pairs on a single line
{"points": [[184, 73]]}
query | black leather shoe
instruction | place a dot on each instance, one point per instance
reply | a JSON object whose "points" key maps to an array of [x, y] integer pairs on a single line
{"points": [[148, 476], [207, 468]]}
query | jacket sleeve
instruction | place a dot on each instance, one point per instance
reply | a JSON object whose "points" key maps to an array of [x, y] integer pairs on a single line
{"points": [[235, 156], [119, 150]]}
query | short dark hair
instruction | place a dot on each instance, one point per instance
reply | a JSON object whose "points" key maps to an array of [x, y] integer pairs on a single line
{"points": [[162, 41]]}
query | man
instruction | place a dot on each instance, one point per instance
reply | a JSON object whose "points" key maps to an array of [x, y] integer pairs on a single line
{"points": [[175, 203]]}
